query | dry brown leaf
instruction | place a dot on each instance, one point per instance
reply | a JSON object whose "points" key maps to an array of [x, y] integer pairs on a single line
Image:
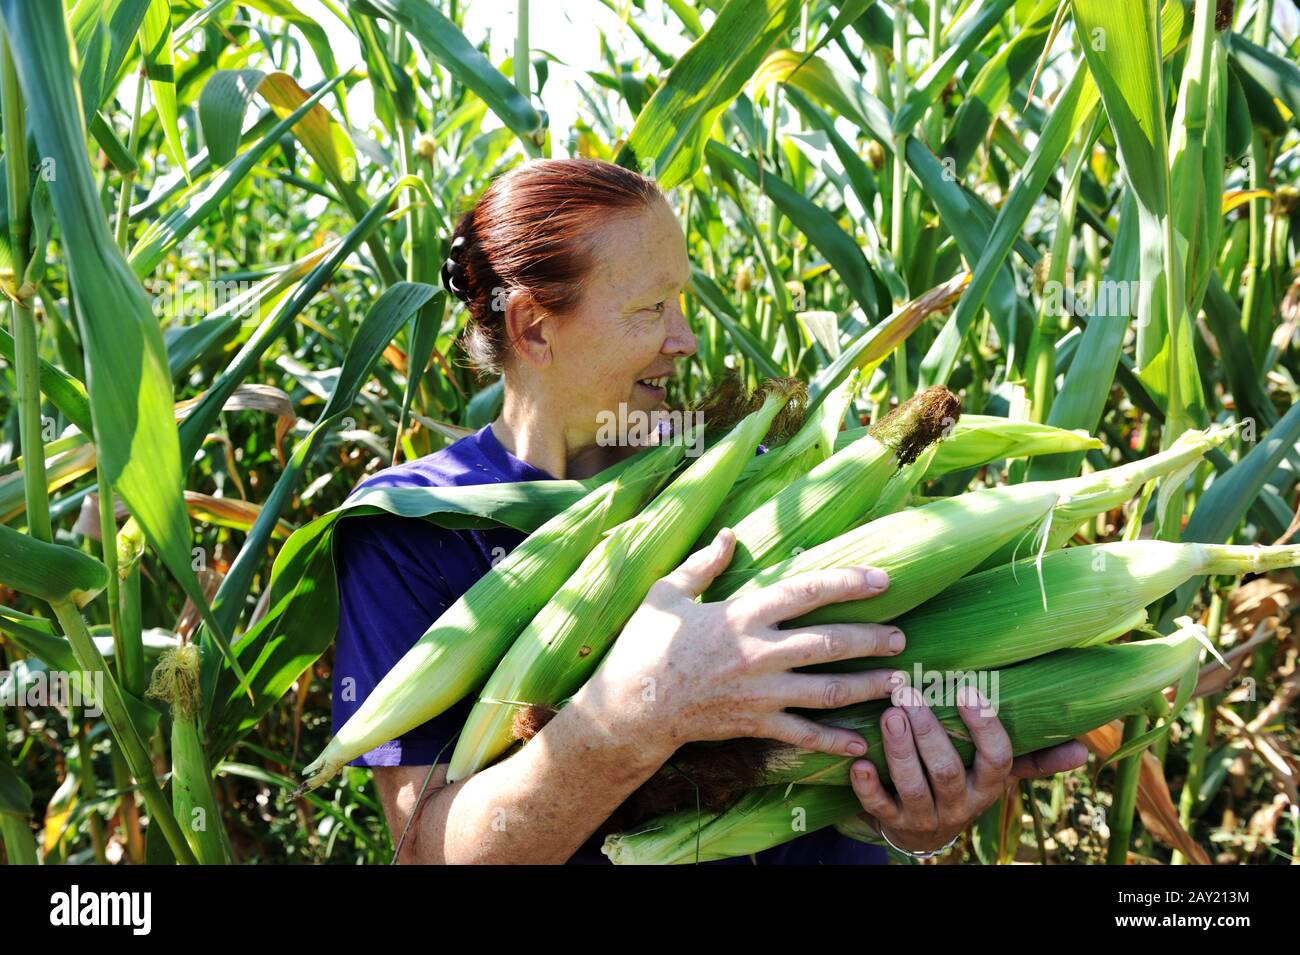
{"points": [[1283, 767], [1260, 599], [1214, 678], [1154, 803], [189, 619], [254, 397], [230, 512]]}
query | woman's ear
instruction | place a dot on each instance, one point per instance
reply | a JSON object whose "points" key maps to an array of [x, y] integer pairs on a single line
{"points": [[528, 329]]}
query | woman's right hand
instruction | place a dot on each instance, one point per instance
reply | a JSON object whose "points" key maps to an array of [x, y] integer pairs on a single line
{"points": [[683, 671]]}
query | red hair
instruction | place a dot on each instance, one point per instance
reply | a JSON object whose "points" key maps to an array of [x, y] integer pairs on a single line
{"points": [[534, 229]]}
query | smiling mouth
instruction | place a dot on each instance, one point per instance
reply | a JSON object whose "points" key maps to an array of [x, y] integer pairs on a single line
{"points": [[659, 383]]}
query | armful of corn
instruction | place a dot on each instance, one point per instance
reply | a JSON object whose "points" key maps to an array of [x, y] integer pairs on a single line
{"points": [[977, 581]]}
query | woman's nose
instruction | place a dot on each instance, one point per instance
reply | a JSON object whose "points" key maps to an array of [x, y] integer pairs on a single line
{"points": [[680, 340]]}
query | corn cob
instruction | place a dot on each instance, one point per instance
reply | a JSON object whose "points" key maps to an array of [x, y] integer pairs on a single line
{"points": [[923, 549], [1073, 597], [974, 441], [176, 682], [977, 440], [1040, 703], [759, 820], [457, 653], [836, 493], [899, 490], [766, 474], [564, 643], [953, 554], [1087, 496]]}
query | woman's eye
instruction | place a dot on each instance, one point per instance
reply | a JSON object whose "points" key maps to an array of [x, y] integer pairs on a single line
{"points": [[659, 306]]}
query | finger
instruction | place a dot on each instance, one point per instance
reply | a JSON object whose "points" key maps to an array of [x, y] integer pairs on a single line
{"points": [[942, 763], [839, 641], [807, 734], [826, 692], [905, 770], [992, 745], [805, 592], [871, 792], [694, 575], [1049, 762]]}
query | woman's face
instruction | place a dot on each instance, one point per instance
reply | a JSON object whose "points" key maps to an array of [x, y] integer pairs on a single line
{"points": [[620, 344]]}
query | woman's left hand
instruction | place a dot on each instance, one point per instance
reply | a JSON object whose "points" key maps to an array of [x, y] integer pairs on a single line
{"points": [[928, 813]]}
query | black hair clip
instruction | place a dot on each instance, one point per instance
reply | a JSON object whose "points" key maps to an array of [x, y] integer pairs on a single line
{"points": [[453, 272]]}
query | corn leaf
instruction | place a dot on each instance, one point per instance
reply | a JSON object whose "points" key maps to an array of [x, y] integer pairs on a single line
{"points": [[669, 137], [201, 420], [992, 86], [446, 44], [130, 387], [715, 300], [1279, 77], [200, 201], [50, 572], [380, 324], [1091, 375], [964, 215], [812, 220], [976, 23], [303, 609], [1072, 109], [160, 67], [1122, 44], [104, 33], [65, 392], [1220, 509], [15, 794]]}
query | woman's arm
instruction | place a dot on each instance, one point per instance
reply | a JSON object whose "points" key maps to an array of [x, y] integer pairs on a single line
{"points": [[538, 806]]}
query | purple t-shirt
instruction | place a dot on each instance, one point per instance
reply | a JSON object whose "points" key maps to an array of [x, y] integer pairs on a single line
{"points": [[397, 575]]}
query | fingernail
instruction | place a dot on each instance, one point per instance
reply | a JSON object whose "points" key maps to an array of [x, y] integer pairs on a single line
{"points": [[877, 579], [896, 641], [862, 772], [894, 723], [856, 748]]}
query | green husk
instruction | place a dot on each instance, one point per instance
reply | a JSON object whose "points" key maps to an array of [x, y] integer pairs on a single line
{"points": [[923, 549], [901, 543], [175, 681], [977, 440], [1071, 598], [759, 820], [1040, 703], [1091, 494]]}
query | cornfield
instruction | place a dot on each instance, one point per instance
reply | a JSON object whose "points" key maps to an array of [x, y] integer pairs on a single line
{"points": [[220, 245]]}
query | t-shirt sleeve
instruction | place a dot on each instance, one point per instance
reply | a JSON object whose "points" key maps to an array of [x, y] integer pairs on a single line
{"points": [[392, 579]]}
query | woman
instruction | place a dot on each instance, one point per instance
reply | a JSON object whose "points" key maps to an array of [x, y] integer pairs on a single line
{"points": [[571, 271]]}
